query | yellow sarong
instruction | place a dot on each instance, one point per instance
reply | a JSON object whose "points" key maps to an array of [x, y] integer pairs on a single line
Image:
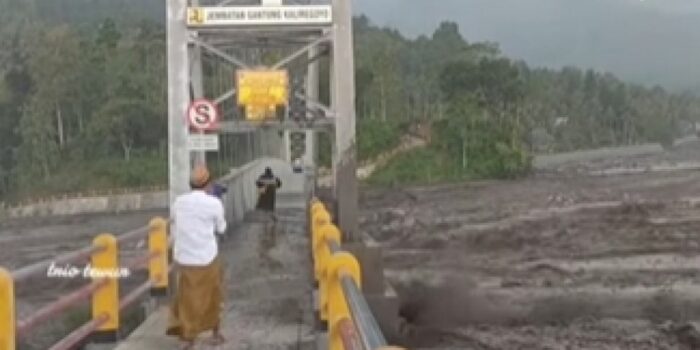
{"points": [[198, 300]]}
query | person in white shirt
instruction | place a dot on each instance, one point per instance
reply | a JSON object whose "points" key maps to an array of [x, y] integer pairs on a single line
{"points": [[196, 307]]}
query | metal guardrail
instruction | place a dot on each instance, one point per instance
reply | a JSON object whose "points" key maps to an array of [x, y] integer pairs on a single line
{"points": [[351, 324], [104, 288], [370, 334]]}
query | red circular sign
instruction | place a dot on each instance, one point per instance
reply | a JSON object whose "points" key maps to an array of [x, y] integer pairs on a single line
{"points": [[203, 115]]}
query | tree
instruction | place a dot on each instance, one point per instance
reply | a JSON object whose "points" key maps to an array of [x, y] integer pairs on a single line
{"points": [[108, 35], [494, 84], [54, 64], [79, 88], [477, 143], [38, 152], [123, 123]]}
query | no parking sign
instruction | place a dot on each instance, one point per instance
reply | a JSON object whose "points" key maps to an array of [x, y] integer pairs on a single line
{"points": [[203, 115]]}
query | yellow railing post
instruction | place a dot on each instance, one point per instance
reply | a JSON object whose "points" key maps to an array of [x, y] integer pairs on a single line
{"points": [[316, 205], [105, 300], [341, 264], [323, 252], [321, 218], [7, 311], [158, 246]]}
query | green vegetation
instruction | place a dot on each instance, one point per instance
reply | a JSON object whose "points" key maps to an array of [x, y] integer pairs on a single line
{"points": [[425, 165], [140, 172], [83, 101], [376, 136], [82, 105], [488, 114]]}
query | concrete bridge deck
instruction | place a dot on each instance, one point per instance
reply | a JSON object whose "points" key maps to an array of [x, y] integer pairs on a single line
{"points": [[268, 301]]}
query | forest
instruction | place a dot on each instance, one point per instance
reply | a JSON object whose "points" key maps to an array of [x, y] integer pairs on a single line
{"points": [[83, 102], [489, 114]]}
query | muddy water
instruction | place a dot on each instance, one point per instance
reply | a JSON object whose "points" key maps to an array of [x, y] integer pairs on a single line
{"points": [[560, 260]]}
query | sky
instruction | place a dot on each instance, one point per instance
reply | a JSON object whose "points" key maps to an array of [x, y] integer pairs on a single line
{"points": [[649, 41]]}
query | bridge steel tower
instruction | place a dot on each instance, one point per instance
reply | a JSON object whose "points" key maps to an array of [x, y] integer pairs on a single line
{"points": [[249, 34]]}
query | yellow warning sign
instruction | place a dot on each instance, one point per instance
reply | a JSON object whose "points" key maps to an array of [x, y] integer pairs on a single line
{"points": [[262, 93]]}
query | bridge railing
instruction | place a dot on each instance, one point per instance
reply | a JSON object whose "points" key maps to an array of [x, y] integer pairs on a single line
{"points": [[242, 195], [104, 272], [351, 324]]}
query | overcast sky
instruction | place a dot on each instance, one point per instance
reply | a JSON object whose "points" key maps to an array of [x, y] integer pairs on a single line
{"points": [[650, 41]]}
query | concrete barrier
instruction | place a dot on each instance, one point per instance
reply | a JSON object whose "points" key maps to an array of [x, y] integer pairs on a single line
{"points": [[240, 199], [553, 160], [558, 159], [90, 205]]}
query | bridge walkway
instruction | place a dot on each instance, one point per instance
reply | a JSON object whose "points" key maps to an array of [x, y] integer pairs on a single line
{"points": [[268, 301]]}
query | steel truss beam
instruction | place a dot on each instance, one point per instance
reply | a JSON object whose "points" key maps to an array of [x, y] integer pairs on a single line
{"points": [[225, 96], [343, 102], [178, 98], [219, 53], [250, 43], [278, 31], [197, 83], [278, 65], [225, 3], [316, 104], [242, 127], [300, 52]]}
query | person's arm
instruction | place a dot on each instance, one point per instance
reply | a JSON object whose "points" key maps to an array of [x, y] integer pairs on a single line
{"points": [[262, 188], [279, 183], [220, 219]]}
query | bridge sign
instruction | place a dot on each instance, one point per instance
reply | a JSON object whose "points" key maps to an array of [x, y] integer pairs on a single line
{"points": [[203, 115], [259, 15], [203, 142]]}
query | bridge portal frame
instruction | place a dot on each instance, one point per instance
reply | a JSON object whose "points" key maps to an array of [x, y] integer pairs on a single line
{"points": [[185, 83]]}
